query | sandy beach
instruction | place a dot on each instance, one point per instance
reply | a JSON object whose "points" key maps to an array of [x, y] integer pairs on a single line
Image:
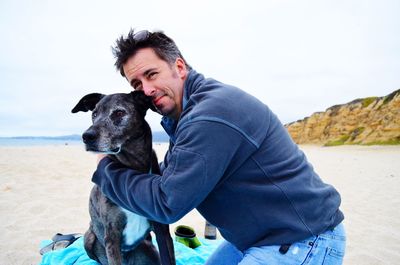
{"points": [[44, 190]]}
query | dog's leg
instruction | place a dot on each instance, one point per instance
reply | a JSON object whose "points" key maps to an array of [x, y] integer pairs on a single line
{"points": [[144, 253], [94, 248], [165, 244], [112, 244], [89, 241], [163, 236], [111, 221]]}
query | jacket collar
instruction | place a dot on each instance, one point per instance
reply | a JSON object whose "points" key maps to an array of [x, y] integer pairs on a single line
{"points": [[192, 83]]}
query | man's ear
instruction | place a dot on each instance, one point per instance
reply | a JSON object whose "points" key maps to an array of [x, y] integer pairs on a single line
{"points": [[88, 102], [143, 102], [181, 68]]}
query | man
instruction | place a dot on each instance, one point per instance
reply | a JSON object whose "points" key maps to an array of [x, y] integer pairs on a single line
{"points": [[229, 157]]}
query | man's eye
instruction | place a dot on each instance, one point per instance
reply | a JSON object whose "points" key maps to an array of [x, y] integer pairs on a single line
{"points": [[137, 85], [152, 75]]}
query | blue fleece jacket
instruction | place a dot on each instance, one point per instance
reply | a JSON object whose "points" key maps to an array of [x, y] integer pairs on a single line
{"points": [[232, 159]]}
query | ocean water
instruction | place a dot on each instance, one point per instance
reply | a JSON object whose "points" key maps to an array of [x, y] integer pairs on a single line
{"points": [[74, 139], [38, 142], [5, 141]]}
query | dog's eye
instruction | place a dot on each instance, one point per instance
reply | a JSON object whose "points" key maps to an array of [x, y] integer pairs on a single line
{"points": [[94, 114], [118, 114]]}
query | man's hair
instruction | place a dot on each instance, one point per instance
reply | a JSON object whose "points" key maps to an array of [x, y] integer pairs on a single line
{"points": [[163, 46]]}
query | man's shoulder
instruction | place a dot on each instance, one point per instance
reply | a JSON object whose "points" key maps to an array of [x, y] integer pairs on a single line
{"points": [[228, 105], [215, 98]]}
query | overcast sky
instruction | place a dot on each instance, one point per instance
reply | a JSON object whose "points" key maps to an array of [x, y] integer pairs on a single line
{"points": [[298, 57]]}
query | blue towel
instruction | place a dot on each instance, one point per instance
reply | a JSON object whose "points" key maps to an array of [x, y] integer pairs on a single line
{"points": [[198, 256], [76, 254], [73, 254]]}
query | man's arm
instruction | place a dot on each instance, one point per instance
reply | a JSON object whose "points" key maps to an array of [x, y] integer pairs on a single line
{"points": [[196, 164]]}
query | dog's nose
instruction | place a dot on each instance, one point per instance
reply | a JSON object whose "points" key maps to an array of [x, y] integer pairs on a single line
{"points": [[89, 137]]}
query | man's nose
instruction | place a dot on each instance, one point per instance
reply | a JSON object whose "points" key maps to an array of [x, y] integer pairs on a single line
{"points": [[148, 89]]}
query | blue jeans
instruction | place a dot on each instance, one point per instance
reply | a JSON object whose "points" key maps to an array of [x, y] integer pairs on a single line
{"points": [[327, 248]]}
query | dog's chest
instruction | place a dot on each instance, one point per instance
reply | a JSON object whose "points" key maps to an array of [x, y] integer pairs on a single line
{"points": [[136, 229]]}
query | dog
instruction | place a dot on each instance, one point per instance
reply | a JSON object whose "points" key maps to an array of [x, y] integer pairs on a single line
{"points": [[120, 130]]}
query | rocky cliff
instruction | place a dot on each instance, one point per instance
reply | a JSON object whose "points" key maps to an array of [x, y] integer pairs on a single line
{"points": [[372, 120]]}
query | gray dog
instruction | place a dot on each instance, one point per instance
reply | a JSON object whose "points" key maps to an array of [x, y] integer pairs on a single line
{"points": [[117, 236]]}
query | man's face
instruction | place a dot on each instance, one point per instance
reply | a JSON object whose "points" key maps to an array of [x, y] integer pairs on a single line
{"points": [[156, 78]]}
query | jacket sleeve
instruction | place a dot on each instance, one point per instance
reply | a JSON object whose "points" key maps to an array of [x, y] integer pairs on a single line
{"points": [[199, 160]]}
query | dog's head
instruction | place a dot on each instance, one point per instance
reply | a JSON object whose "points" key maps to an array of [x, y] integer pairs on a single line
{"points": [[116, 119]]}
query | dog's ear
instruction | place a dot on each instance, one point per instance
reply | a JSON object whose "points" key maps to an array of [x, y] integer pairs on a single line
{"points": [[143, 102], [88, 102]]}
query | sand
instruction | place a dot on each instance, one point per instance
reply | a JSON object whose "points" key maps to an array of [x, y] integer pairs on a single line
{"points": [[44, 190]]}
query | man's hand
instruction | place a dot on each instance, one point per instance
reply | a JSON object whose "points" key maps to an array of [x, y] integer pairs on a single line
{"points": [[100, 157]]}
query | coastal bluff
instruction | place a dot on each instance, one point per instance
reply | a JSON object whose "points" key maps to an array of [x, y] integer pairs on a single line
{"points": [[365, 121]]}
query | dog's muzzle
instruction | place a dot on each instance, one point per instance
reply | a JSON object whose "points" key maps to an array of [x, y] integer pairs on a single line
{"points": [[89, 137], [90, 140]]}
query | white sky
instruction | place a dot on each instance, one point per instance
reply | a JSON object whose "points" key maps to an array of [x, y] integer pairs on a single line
{"points": [[298, 57]]}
